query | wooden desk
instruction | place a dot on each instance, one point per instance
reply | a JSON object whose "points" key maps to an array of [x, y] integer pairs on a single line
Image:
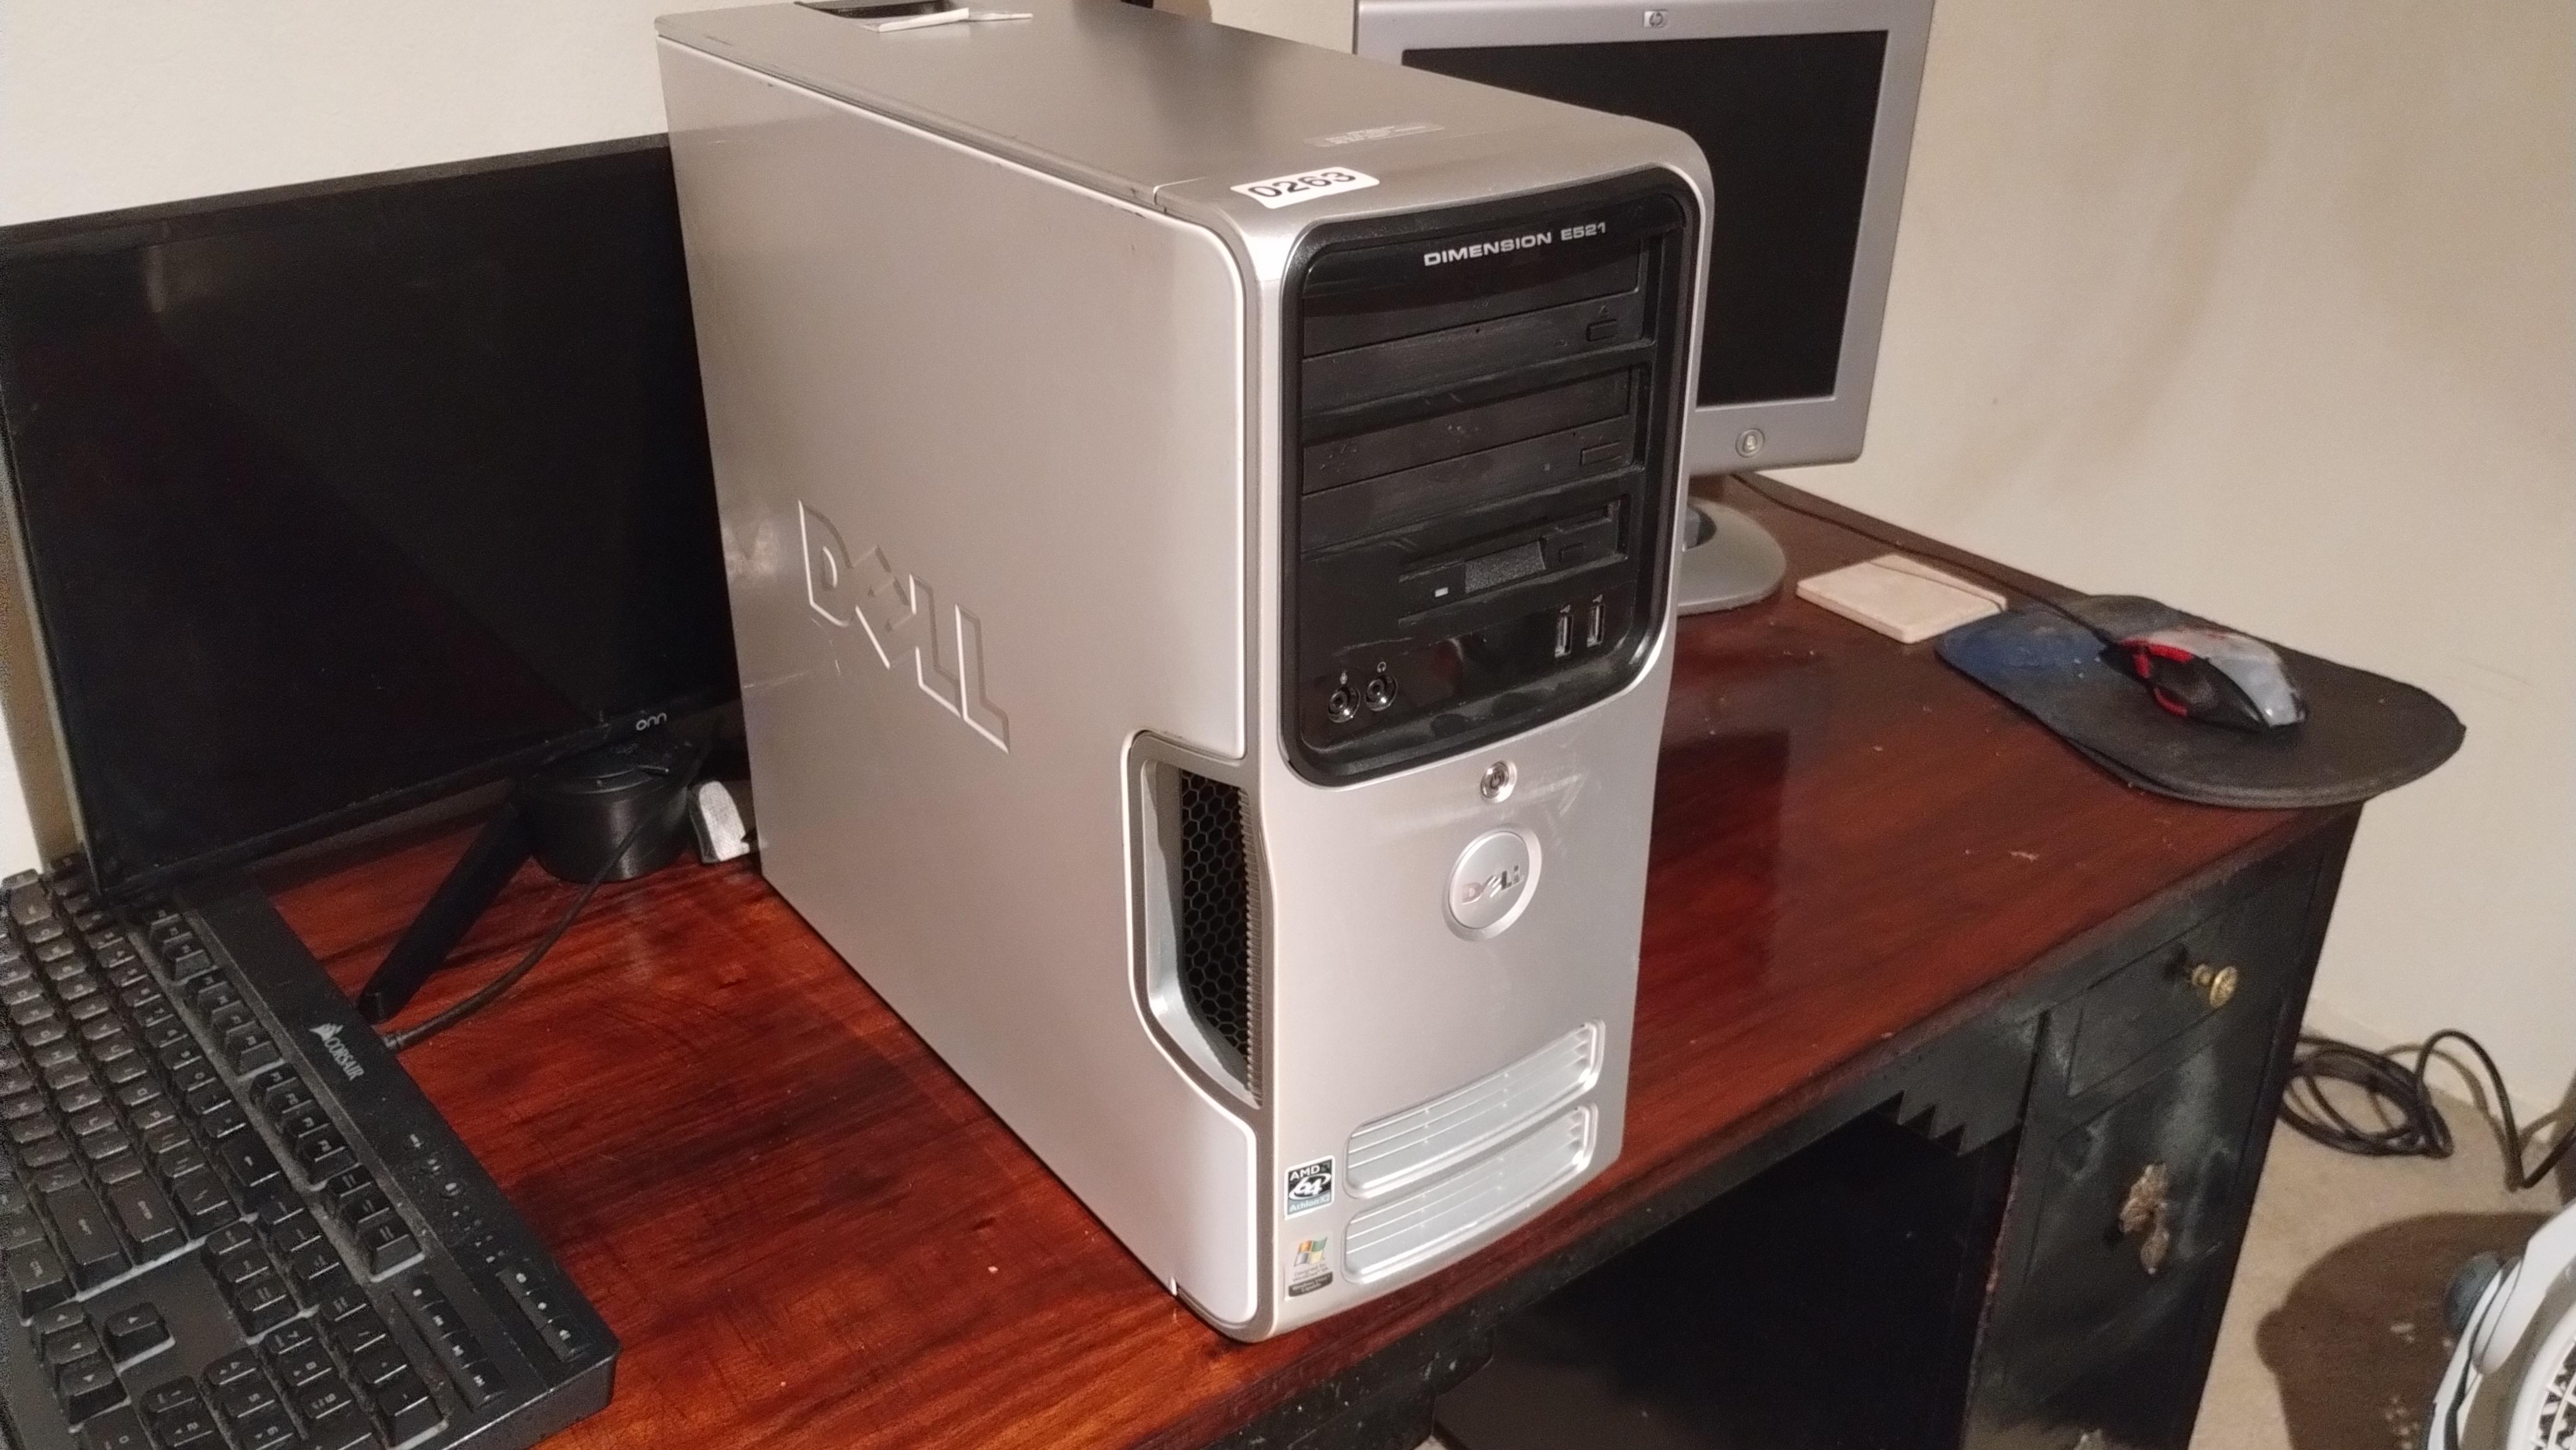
{"points": [[1870, 878]]}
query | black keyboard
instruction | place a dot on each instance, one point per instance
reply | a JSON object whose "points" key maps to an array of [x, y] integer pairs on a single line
{"points": [[228, 1219]]}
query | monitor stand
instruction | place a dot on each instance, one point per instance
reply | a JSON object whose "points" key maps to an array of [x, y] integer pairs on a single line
{"points": [[573, 817], [1728, 560]]}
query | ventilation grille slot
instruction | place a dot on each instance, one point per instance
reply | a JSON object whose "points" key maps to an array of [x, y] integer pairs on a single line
{"points": [[1458, 1125], [1217, 923], [1401, 1234]]}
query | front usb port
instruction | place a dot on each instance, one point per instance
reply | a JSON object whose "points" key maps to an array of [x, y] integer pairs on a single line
{"points": [[1564, 631], [1592, 625]]}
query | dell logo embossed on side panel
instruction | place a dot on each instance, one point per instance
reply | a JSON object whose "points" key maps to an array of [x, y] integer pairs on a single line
{"points": [[898, 611]]}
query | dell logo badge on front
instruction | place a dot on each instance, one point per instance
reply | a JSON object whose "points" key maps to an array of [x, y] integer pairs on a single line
{"points": [[897, 610]]}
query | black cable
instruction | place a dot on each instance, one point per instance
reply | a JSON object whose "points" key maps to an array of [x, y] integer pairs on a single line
{"points": [[401, 1039], [404, 1038], [2416, 1128]]}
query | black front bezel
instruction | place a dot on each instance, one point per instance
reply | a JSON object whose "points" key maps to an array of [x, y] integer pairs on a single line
{"points": [[1672, 256]]}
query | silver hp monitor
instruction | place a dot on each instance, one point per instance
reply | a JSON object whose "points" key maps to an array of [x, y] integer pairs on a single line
{"points": [[1805, 112]]}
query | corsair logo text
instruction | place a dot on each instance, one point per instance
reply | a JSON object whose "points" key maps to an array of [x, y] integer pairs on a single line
{"points": [[899, 612], [329, 1032]]}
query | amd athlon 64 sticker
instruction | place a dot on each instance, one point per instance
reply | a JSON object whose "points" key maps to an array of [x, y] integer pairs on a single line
{"points": [[1307, 1269], [1289, 190], [1310, 1186]]}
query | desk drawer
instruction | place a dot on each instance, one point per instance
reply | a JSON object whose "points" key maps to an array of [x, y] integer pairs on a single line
{"points": [[2232, 964], [2134, 1196]]}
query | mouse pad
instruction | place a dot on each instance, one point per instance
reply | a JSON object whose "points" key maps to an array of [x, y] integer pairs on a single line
{"points": [[2365, 734]]}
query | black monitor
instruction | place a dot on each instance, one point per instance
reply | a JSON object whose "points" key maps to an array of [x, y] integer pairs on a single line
{"points": [[340, 499]]}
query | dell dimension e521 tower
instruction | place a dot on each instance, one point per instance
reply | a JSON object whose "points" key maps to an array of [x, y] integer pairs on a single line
{"points": [[1199, 511]]}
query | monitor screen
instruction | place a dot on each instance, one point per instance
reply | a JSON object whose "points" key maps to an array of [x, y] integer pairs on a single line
{"points": [[338, 502], [1786, 122]]}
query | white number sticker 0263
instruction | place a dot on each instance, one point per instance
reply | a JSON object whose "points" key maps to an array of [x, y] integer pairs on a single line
{"points": [[1281, 191]]}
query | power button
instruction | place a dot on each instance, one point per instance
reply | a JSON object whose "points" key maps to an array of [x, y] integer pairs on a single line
{"points": [[1490, 886]]}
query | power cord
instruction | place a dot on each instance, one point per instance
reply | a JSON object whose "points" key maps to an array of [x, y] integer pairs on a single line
{"points": [[2399, 1090]]}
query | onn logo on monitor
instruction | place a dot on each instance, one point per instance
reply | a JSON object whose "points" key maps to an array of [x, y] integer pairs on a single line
{"points": [[899, 612]]}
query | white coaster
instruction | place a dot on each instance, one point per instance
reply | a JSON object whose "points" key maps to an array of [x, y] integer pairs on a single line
{"points": [[1905, 599]]}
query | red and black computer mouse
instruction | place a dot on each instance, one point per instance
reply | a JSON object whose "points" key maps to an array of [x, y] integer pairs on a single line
{"points": [[2215, 675]]}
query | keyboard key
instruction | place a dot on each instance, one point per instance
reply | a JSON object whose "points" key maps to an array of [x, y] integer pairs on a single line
{"points": [[262, 1303], [49, 1151], [219, 1121], [136, 1331], [388, 1246], [118, 1429], [324, 1396], [346, 1303], [307, 1364], [253, 1052], [379, 1365], [202, 1202], [54, 1178], [72, 1344], [240, 1266], [230, 1241], [145, 1214], [475, 1379], [247, 1159], [311, 1266], [291, 1231], [190, 1426], [37, 1277], [89, 1236], [248, 1395], [29, 902], [267, 1430], [104, 1144], [323, 1153], [88, 1386], [406, 1408], [232, 1369], [348, 1430], [358, 1334]]}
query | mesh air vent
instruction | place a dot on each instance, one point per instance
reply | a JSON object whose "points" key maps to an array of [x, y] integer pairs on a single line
{"points": [[1216, 914]]}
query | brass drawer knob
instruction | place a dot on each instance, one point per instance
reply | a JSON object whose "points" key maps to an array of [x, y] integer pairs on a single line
{"points": [[2148, 1211], [2216, 985]]}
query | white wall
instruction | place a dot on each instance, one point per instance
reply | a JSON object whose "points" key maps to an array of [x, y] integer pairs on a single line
{"points": [[2268, 308], [117, 103]]}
